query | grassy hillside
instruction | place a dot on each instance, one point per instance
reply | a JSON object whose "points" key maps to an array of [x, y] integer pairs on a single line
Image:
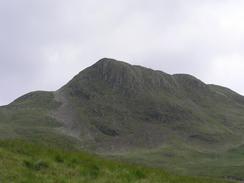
{"points": [[189, 161], [23, 162], [30, 118], [134, 113]]}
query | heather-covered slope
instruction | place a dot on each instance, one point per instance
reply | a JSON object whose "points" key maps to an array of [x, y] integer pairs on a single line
{"points": [[137, 114]]}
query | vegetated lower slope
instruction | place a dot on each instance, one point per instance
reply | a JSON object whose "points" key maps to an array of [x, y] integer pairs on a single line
{"points": [[25, 162], [137, 114], [30, 117]]}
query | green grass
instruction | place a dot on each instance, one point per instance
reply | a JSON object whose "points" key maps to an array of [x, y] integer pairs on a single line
{"points": [[32, 163], [189, 161]]}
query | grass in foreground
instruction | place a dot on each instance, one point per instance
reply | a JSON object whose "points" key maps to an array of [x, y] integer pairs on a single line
{"points": [[32, 163]]}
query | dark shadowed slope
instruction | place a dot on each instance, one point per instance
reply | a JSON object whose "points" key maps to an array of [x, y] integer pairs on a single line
{"points": [[136, 113]]}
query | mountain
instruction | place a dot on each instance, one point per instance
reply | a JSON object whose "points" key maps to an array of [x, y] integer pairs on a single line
{"points": [[139, 115]]}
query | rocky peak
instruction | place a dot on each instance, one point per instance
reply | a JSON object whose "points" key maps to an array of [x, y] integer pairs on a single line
{"points": [[115, 72]]}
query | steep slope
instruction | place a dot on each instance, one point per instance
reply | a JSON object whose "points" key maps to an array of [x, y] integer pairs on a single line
{"points": [[135, 113]]}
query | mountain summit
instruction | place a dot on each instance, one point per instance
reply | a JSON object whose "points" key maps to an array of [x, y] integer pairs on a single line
{"points": [[113, 107]]}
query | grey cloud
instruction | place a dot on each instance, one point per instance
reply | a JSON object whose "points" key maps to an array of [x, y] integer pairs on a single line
{"points": [[44, 43]]}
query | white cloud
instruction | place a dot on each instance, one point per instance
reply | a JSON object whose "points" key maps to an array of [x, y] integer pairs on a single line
{"points": [[227, 70]]}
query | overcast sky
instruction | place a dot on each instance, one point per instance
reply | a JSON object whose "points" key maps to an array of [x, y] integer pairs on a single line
{"points": [[44, 43]]}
